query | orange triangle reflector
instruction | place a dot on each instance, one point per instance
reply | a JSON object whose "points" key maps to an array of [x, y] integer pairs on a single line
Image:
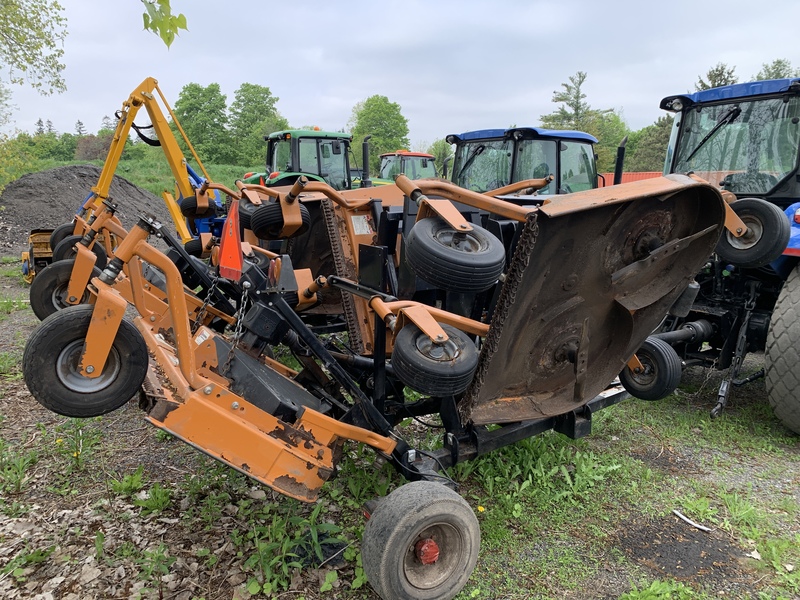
{"points": [[230, 247]]}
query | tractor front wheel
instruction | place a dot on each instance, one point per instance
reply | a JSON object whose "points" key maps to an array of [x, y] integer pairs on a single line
{"points": [[782, 355], [469, 261], [661, 374], [767, 234], [421, 543], [48, 293], [51, 365]]}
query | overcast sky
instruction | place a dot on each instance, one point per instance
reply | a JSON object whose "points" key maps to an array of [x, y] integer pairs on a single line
{"points": [[452, 66]]}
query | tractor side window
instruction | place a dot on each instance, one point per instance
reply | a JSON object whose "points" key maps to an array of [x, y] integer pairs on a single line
{"points": [[577, 172], [308, 156], [484, 165], [536, 159], [333, 165]]}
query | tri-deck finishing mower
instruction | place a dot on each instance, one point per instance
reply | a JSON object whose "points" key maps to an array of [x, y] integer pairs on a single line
{"points": [[587, 277]]}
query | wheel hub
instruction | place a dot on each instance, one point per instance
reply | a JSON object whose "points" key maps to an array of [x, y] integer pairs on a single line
{"points": [[427, 551], [69, 372], [446, 351], [751, 237]]}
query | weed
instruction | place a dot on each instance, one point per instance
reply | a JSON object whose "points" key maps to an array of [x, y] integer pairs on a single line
{"points": [[22, 564], [741, 511], [9, 366], [9, 305], [78, 438], [129, 484], [662, 590], [99, 545], [14, 468], [154, 564], [157, 500]]}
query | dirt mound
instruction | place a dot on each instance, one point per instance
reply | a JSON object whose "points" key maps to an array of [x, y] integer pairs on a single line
{"points": [[49, 198]]}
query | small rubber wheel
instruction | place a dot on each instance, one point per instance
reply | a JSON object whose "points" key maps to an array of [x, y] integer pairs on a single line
{"points": [[437, 370], [455, 261], [661, 374], [66, 249], [48, 293], [59, 233], [194, 247], [768, 231], [782, 354], [421, 543], [50, 365], [266, 222], [190, 210]]}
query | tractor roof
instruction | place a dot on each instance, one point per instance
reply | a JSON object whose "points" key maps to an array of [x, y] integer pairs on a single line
{"points": [[731, 92], [408, 153], [314, 133], [526, 132]]}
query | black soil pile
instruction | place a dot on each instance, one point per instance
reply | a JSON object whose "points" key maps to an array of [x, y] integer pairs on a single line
{"points": [[47, 199]]}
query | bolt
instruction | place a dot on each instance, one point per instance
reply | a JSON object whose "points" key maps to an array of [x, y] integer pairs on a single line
{"points": [[207, 390], [739, 230], [235, 406], [463, 226], [246, 285], [153, 319], [73, 299], [440, 337], [90, 369]]}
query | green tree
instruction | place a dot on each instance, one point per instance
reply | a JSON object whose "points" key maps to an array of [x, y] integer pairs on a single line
{"points": [[381, 119], [577, 114], [31, 37], [442, 151], [779, 68], [648, 146], [159, 19], [252, 116], [716, 76], [202, 112], [574, 112]]}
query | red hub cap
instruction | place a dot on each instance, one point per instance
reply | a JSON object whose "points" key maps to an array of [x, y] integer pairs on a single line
{"points": [[427, 551]]}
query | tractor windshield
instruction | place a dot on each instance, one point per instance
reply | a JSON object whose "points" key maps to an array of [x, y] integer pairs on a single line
{"points": [[746, 146], [483, 165]]}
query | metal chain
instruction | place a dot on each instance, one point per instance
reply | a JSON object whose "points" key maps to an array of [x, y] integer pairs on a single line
{"points": [[201, 312], [237, 331], [508, 295]]}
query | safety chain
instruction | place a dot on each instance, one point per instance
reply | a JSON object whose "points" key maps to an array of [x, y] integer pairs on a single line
{"points": [[201, 312], [508, 295], [237, 331]]}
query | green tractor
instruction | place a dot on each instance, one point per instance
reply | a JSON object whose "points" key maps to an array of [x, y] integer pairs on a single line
{"points": [[319, 155]]}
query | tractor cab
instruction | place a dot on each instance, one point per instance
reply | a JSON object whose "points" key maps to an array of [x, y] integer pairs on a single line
{"points": [[414, 165], [488, 159], [742, 137], [319, 155]]}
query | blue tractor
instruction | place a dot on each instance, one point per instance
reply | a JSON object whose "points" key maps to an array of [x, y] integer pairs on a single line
{"points": [[744, 138]]}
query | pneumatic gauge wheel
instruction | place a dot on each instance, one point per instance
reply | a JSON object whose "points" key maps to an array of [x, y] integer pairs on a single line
{"points": [[48, 292], [661, 373]]}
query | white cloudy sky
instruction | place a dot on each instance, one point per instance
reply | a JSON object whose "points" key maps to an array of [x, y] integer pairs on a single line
{"points": [[451, 65]]}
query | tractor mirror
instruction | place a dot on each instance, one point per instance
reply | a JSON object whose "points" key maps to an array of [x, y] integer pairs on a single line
{"points": [[337, 147]]}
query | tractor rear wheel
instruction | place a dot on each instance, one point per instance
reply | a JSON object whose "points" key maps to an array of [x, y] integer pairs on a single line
{"points": [[456, 261], [59, 233], [48, 293], [421, 543], [437, 370], [50, 365], [767, 234], [266, 222], [66, 249], [661, 374], [782, 355]]}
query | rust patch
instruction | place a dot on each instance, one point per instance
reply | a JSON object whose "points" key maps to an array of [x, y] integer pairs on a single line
{"points": [[294, 488]]}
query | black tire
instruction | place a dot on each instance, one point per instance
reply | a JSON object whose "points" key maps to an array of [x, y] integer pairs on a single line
{"points": [[661, 375], [415, 514], [470, 263], [190, 210], [246, 210], [430, 369], [66, 249], [766, 238], [59, 233], [49, 365], [267, 221], [194, 247], [782, 354], [48, 291]]}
